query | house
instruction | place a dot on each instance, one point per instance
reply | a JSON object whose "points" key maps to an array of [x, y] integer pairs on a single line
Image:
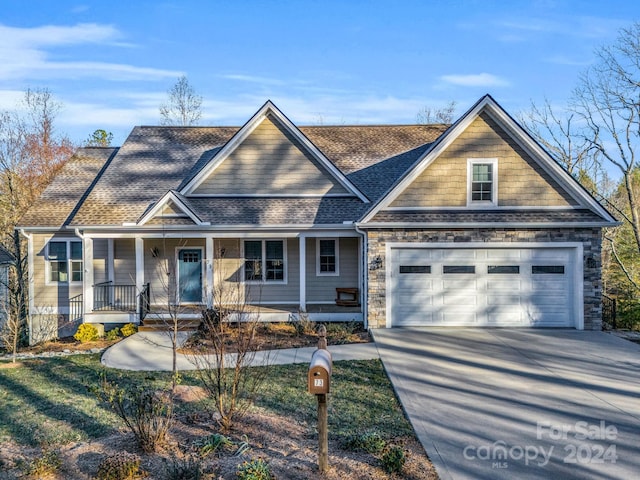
{"points": [[469, 224]]}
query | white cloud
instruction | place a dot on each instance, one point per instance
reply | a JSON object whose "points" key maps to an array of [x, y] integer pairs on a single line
{"points": [[583, 26], [9, 99], [25, 54], [475, 80], [565, 60], [252, 79]]}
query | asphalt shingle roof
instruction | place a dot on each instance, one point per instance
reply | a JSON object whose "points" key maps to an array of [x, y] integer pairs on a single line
{"points": [[67, 189], [154, 160]]}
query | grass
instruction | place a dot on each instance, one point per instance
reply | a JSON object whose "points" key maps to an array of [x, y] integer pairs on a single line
{"points": [[47, 403], [361, 399]]}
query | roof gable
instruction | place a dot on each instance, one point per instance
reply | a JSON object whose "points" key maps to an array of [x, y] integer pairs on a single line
{"points": [[439, 180], [269, 156], [521, 182], [173, 208]]}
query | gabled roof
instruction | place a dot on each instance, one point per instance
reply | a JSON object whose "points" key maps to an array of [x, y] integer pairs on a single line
{"points": [[489, 106], [175, 198], [156, 167], [270, 109], [155, 160]]}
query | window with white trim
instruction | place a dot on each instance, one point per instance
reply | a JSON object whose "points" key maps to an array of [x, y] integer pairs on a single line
{"points": [[327, 257], [64, 258], [264, 261], [482, 179]]}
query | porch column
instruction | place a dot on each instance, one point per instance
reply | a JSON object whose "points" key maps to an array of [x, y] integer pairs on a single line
{"points": [[209, 271], [303, 272], [87, 283], [139, 269], [111, 274]]}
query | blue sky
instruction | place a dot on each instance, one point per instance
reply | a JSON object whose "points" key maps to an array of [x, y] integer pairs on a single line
{"points": [[332, 62]]}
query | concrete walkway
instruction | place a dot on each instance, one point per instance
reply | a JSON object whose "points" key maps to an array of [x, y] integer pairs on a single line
{"points": [[519, 403], [151, 351]]}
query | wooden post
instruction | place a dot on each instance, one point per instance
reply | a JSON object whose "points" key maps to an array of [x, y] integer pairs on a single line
{"points": [[323, 434], [322, 337]]}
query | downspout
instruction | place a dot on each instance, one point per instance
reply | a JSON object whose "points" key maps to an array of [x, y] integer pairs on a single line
{"points": [[29, 237], [84, 276], [365, 275]]}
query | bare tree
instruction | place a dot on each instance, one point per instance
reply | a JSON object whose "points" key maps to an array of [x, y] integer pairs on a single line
{"points": [[560, 136], [224, 363], [30, 156], [427, 115], [606, 99], [183, 107]]}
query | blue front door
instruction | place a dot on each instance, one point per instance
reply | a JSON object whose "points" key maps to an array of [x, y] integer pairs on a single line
{"points": [[190, 276]]}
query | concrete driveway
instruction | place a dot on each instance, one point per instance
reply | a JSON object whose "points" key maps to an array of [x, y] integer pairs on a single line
{"points": [[519, 403]]}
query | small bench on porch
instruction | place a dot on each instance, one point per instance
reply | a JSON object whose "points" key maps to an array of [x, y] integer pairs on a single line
{"points": [[347, 297]]}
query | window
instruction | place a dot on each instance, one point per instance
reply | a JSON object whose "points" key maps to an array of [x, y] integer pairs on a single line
{"points": [[327, 256], [458, 269], [264, 260], [64, 258], [549, 269], [482, 182], [510, 269], [415, 269]]}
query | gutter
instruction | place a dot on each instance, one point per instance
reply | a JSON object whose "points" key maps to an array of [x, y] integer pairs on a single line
{"points": [[519, 225]]}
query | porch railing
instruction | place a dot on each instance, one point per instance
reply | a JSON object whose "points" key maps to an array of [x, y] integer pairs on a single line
{"points": [[143, 304], [110, 297], [76, 308], [609, 311]]}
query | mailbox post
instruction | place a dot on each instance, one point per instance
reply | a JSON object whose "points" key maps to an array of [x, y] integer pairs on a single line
{"points": [[319, 382]]}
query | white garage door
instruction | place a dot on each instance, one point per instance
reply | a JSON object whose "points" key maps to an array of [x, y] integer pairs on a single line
{"points": [[482, 287]]}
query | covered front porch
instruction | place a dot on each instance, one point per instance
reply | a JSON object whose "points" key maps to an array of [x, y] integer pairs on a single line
{"points": [[276, 278]]}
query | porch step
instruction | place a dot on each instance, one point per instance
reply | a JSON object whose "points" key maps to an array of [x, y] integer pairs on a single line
{"points": [[165, 325]]}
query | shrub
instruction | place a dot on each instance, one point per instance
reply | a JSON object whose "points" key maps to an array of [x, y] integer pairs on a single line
{"points": [[254, 470], [120, 466], [340, 333], [302, 324], [188, 468], [147, 413], [370, 442], [46, 464], [628, 314], [393, 459], [128, 330], [214, 443], [86, 333], [112, 334]]}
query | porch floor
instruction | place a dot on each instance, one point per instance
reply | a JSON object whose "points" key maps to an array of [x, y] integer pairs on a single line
{"points": [[272, 313]]}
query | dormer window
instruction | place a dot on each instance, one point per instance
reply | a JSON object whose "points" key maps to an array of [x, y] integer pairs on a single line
{"points": [[482, 182]]}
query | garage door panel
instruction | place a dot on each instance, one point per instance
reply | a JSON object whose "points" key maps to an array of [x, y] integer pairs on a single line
{"points": [[459, 299], [505, 255], [459, 316], [504, 300], [459, 254], [409, 317], [409, 298], [469, 283], [504, 285], [486, 286]]}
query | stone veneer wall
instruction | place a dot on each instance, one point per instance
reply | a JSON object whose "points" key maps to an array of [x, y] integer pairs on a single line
{"points": [[591, 239]]}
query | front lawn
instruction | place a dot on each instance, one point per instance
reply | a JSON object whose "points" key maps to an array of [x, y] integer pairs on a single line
{"points": [[46, 408]]}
